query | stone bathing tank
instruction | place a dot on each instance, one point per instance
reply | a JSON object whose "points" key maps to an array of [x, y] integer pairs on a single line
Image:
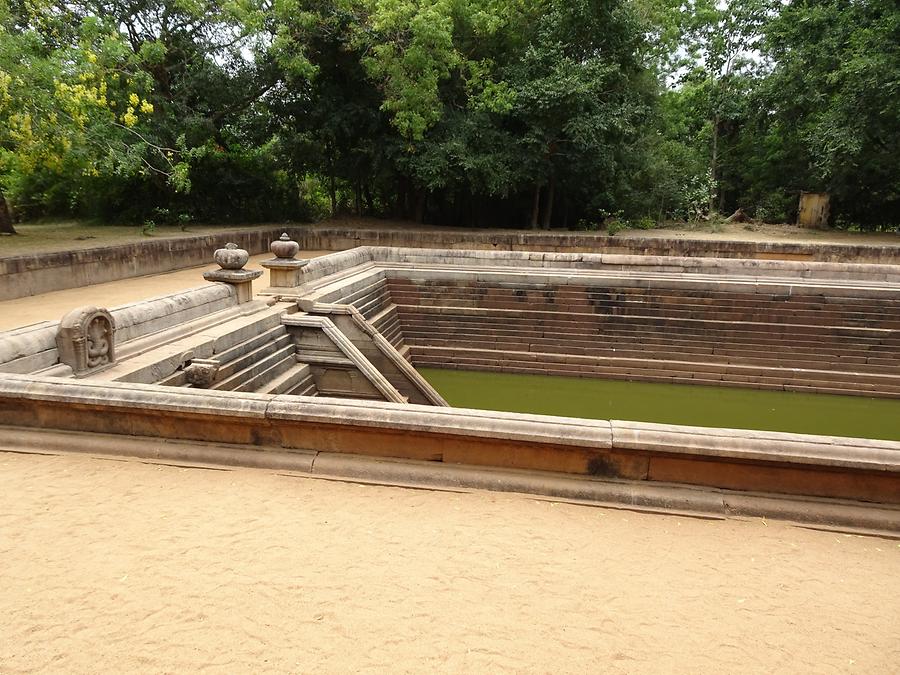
{"points": [[320, 369]]}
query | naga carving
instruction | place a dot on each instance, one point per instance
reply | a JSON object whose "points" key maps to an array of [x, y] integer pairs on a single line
{"points": [[86, 339]]}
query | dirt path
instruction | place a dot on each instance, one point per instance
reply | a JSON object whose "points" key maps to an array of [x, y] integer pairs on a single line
{"points": [[122, 566], [52, 306]]}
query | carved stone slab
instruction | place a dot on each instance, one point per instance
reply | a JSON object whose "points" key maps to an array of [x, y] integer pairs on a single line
{"points": [[201, 373], [86, 339]]}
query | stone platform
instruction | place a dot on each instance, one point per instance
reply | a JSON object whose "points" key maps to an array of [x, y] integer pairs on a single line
{"points": [[327, 366]]}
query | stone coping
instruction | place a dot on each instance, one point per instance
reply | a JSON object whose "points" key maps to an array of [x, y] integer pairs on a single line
{"points": [[336, 237], [829, 452], [232, 276], [589, 261], [830, 514], [777, 276], [134, 320]]}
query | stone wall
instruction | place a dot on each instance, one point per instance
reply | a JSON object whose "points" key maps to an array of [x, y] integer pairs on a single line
{"points": [[41, 273], [258, 426], [329, 237], [33, 274]]}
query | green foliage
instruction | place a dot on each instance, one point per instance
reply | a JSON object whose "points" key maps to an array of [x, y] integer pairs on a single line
{"points": [[464, 112], [835, 93], [615, 226]]}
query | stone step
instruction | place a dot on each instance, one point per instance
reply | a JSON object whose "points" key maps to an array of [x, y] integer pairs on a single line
{"points": [[236, 380], [759, 315], [621, 290], [635, 334], [555, 319], [305, 388], [273, 372], [668, 367], [700, 347], [277, 340], [662, 375], [734, 356], [290, 379], [250, 344], [586, 303]]}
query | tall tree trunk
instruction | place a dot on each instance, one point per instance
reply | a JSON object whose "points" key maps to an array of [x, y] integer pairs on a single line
{"points": [[536, 206], [399, 208], [548, 210], [6, 224], [357, 189], [332, 188], [370, 206], [713, 163], [421, 197]]}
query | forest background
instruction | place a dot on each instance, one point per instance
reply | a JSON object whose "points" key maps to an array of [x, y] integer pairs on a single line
{"points": [[480, 113]]}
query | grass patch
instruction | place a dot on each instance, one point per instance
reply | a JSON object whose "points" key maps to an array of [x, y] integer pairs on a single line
{"points": [[72, 235]]}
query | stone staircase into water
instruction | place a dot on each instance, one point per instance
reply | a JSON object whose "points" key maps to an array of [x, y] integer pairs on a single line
{"points": [[806, 341]]}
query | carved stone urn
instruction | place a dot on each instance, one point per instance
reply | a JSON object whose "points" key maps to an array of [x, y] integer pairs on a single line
{"points": [[231, 260], [285, 271], [284, 247], [231, 257]]}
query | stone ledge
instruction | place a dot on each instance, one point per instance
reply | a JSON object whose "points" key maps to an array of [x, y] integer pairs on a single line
{"points": [[140, 398], [840, 515], [768, 446], [709, 443], [445, 421], [133, 321]]}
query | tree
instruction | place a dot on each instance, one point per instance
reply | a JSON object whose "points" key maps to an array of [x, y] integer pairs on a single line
{"points": [[721, 40], [71, 105], [834, 95]]}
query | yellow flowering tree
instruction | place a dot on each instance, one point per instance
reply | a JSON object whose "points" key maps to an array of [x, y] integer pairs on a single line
{"points": [[72, 104]]}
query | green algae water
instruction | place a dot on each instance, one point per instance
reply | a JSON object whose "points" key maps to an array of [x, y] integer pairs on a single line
{"points": [[693, 405]]}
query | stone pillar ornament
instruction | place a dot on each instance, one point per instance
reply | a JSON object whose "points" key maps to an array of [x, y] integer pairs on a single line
{"points": [[86, 340], [284, 270], [231, 260], [284, 248]]}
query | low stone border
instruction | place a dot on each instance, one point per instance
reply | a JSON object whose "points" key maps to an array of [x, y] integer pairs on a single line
{"points": [[41, 273], [27, 275], [336, 238], [794, 464], [672, 499]]}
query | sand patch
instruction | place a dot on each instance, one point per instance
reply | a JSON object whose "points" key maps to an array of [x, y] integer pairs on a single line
{"points": [[127, 566]]}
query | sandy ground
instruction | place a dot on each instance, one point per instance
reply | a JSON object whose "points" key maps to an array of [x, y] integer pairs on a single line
{"points": [[52, 306], [124, 566]]}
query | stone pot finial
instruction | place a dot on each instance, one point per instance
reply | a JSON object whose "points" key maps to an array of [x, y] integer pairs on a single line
{"points": [[284, 248], [232, 260], [231, 257]]}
